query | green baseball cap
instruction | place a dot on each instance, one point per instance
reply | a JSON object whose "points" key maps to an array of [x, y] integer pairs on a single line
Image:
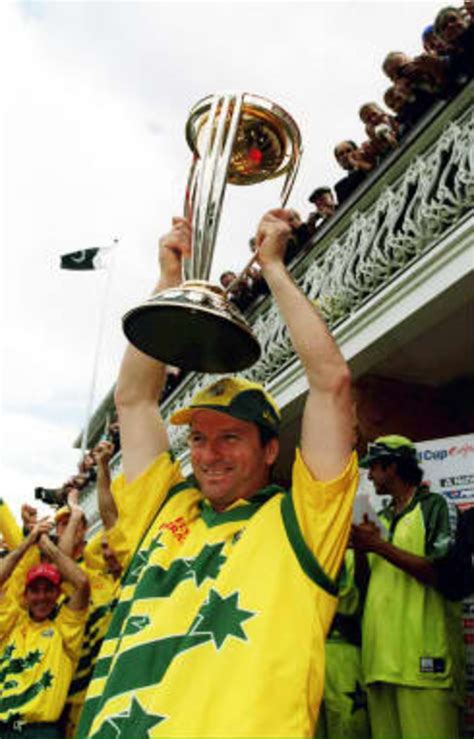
{"points": [[242, 399], [393, 446]]}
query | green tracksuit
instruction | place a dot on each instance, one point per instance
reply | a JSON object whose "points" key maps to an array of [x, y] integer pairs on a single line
{"points": [[411, 636]]}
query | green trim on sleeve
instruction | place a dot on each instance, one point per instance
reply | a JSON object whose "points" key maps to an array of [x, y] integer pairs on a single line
{"points": [[304, 555], [440, 518]]}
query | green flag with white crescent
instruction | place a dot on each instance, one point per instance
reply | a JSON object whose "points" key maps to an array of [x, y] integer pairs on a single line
{"points": [[86, 259]]}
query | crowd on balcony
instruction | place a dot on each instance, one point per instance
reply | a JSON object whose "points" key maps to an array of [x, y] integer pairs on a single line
{"points": [[443, 67]]}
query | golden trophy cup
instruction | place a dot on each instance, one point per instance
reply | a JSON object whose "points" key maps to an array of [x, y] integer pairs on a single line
{"points": [[240, 139]]}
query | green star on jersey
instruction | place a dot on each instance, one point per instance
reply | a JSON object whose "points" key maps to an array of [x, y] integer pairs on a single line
{"points": [[207, 563], [221, 617], [133, 721]]}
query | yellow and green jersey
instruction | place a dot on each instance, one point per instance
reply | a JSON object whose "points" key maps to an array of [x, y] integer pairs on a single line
{"points": [[103, 597], [220, 626], [411, 635], [36, 661]]}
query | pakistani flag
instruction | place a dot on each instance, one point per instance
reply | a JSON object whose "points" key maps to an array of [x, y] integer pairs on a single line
{"points": [[85, 259]]}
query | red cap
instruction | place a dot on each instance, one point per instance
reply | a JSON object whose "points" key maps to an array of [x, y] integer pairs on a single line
{"points": [[49, 572]]}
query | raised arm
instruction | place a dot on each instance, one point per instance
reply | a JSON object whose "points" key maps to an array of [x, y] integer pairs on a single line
{"points": [[141, 378], [8, 563], [327, 435], [69, 571], [107, 508], [67, 542]]}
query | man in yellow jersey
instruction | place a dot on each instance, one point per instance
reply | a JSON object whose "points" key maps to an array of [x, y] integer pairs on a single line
{"points": [[230, 587], [38, 644], [103, 570]]}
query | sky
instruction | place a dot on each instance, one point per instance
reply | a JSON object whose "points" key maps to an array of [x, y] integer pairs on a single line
{"points": [[94, 105]]}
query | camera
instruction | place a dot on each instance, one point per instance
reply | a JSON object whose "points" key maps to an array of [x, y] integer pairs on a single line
{"points": [[51, 496]]}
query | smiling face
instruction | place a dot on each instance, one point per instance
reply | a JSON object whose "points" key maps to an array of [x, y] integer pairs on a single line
{"points": [[41, 596], [228, 458]]}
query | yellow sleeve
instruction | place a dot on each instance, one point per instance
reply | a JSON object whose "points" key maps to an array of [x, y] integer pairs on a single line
{"points": [[324, 512], [93, 553], [138, 503], [71, 626], [9, 611], [9, 528], [17, 580]]}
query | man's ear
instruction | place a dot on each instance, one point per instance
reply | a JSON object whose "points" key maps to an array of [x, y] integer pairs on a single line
{"points": [[271, 451]]}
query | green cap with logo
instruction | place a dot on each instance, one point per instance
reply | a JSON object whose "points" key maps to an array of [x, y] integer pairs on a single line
{"points": [[393, 446], [239, 398]]}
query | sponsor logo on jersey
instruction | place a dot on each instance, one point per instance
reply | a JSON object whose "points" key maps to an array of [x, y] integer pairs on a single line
{"points": [[177, 527], [432, 664]]}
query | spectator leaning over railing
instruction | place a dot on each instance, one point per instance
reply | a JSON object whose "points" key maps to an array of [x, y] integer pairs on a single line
{"points": [[402, 100], [425, 76], [469, 10], [456, 30], [39, 643], [324, 207], [432, 43], [239, 294], [381, 128], [350, 158]]}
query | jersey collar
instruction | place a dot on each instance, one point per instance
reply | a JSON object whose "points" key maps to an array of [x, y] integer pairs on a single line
{"points": [[240, 510]]}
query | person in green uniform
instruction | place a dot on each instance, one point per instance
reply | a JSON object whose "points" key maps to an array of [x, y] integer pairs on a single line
{"points": [[343, 713], [411, 635]]}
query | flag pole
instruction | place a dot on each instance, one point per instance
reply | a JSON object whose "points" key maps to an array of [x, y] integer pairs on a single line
{"points": [[98, 349]]}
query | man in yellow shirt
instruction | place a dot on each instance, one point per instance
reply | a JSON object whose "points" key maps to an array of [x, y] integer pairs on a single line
{"points": [[230, 588], [38, 643], [103, 570]]}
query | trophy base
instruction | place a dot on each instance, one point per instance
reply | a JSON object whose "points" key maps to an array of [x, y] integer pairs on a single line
{"points": [[193, 327]]}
